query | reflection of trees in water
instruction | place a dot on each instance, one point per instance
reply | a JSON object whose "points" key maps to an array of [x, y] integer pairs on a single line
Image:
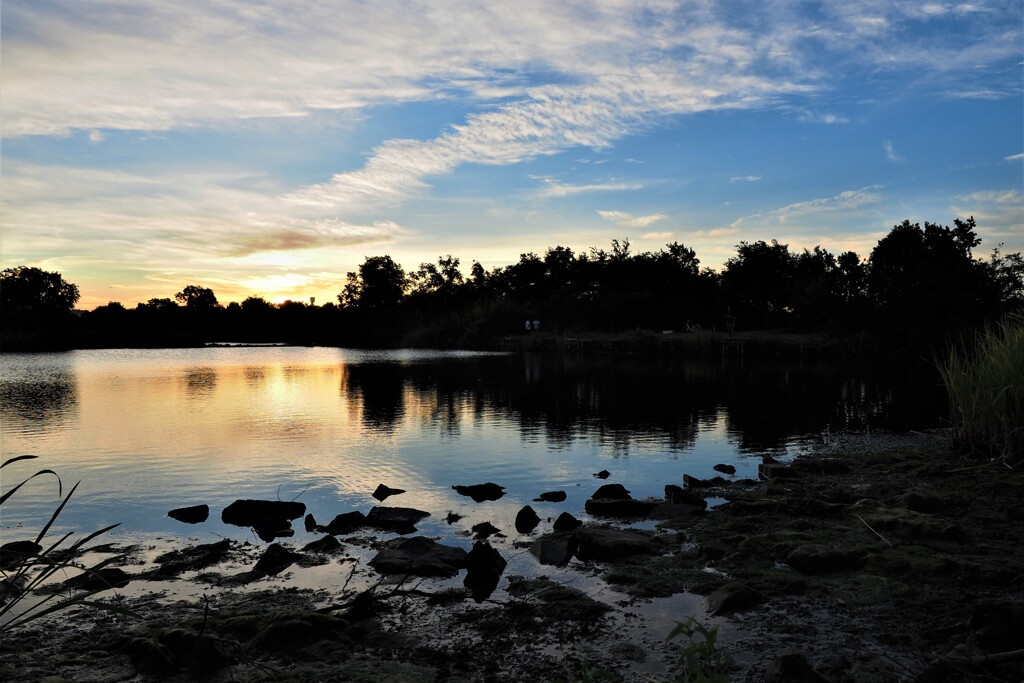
{"points": [[200, 381], [624, 400], [49, 397], [379, 388], [255, 374]]}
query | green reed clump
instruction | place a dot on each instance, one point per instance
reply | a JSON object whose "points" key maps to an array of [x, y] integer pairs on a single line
{"points": [[26, 566], [985, 383]]}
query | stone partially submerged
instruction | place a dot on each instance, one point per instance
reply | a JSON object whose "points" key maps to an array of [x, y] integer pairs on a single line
{"points": [[399, 520], [481, 492], [383, 492], [484, 567], [611, 544], [527, 520], [619, 507], [270, 519], [194, 514], [346, 523], [420, 556]]}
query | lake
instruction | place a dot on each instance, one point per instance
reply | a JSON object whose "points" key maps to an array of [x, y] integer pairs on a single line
{"points": [[146, 431]]}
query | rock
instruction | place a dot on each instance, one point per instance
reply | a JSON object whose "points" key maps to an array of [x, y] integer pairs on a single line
{"points": [[695, 483], [768, 460], [420, 556], [100, 579], [613, 507], [484, 567], [310, 523], [809, 559], [676, 510], [191, 515], [15, 553], [481, 492], [734, 596], [724, 469], [194, 558], [791, 667], [268, 518], [775, 470], [554, 551], [611, 544], [346, 523], [566, 522], [550, 497], [452, 517], [677, 494], [327, 545], [617, 491], [483, 530], [603, 474], [382, 492], [275, 559], [399, 520], [527, 520]]}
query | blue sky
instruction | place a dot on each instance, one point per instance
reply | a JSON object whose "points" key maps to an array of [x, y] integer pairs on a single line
{"points": [[265, 148]]}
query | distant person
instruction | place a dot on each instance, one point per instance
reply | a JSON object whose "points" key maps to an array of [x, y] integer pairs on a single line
{"points": [[527, 325], [730, 322], [536, 326]]}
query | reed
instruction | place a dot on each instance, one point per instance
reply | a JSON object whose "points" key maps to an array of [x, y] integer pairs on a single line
{"points": [[28, 566], [985, 382]]}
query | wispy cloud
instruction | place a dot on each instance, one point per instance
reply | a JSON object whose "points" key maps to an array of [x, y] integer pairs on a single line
{"points": [[745, 179], [844, 201], [1014, 157], [825, 117], [553, 188], [890, 152], [627, 220]]}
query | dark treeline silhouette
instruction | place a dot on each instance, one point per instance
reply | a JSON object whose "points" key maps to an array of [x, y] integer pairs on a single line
{"points": [[920, 286]]}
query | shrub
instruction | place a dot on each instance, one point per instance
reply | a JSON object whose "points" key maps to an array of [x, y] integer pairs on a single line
{"points": [[986, 392]]}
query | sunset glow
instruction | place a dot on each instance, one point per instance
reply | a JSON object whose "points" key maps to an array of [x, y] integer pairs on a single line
{"points": [[266, 149]]}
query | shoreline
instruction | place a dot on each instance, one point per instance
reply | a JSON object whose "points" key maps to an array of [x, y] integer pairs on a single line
{"points": [[869, 565]]}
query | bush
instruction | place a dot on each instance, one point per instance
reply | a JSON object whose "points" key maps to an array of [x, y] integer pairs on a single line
{"points": [[986, 392]]}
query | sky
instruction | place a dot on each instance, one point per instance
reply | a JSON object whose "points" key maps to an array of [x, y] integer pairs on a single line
{"points": [[266, 147]]}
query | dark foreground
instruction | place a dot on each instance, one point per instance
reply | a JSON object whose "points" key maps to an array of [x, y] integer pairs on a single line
{"points": [[900, 564]]}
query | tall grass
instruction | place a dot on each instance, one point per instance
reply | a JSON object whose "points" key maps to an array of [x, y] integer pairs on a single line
{"points": [[986, 392], [27, 566]]}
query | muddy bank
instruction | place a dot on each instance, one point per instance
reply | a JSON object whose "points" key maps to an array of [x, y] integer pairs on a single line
{"points": [[852, 565]]}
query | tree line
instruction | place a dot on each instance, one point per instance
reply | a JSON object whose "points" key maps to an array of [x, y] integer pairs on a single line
{"points": [[919, 286]]}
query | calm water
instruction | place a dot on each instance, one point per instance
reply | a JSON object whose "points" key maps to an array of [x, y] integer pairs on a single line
{"points": [[147, 431]]}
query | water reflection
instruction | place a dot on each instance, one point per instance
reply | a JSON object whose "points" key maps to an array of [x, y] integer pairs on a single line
{"points": [[42, 394], [153, 430], [624, 401], [378, 391], [200, 382]]}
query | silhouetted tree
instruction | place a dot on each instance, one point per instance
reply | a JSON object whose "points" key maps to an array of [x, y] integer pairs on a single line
{"points": [[194, 296], [379, 282], [758, 282], [925, 284], [30, 295]]}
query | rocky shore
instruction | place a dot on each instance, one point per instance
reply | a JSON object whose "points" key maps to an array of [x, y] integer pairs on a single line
{"points": [[860, 563]]}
